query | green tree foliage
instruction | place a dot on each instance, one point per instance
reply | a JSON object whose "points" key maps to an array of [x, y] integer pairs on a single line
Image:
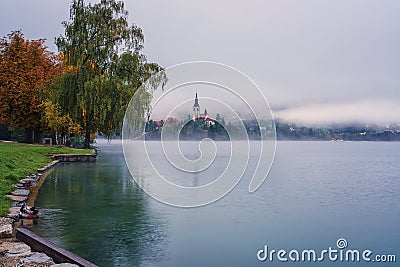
{"points": [[59, 124], [104, 65]]}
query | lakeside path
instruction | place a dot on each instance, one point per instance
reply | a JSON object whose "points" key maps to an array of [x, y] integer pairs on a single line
{"points": [[23, 168]]}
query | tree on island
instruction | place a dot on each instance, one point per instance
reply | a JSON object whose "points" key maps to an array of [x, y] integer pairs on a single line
{"points": [[104, 64], [188, 130]]}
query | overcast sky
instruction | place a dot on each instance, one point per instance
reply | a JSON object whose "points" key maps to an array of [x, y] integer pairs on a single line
{"points": [[341, 56]]}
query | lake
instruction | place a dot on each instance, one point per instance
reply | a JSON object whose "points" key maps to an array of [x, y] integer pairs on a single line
{"points": [[316, 193]]}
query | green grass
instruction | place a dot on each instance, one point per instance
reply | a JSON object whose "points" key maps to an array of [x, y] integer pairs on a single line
{"points": [[19, 160]]}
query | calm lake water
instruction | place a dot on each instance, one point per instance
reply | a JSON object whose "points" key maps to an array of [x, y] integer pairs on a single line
{"points": [[316, 193]]}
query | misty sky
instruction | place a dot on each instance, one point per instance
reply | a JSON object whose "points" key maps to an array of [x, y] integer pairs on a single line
{"points": [[315, 60]]}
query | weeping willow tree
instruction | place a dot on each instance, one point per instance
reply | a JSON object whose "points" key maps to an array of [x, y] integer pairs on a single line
{"points": [[103, 66]]}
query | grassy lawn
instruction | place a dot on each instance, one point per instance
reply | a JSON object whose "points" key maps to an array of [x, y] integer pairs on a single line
{"points": [[19, 160]]}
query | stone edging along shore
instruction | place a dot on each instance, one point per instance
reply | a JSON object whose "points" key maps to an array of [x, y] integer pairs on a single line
{"points": [[13, 252]]}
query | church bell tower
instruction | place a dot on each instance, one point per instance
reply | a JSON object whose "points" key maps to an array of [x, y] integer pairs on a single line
{"points": [[196, 108]]}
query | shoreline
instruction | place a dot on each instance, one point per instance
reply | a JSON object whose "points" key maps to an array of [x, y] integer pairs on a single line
{"points": [[33, 249]]}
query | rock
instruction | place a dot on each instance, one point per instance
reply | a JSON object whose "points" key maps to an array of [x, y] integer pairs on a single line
{"points": [[15, 249], [6, 227], [6, 230], [17, 198], [27, 180], [15, 204], [20, 192], [14, 211], [75, 158], [37, 257], [44, 169], [19, 186]]}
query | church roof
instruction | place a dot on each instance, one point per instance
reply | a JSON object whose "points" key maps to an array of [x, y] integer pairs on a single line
{"points": [[206, 118]]}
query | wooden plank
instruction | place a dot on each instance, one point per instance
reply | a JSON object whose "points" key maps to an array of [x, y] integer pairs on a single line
{"points": [[58, 254]]}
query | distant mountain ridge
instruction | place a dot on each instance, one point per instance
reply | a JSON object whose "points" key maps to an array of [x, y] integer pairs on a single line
{"points": [[289, 131]]}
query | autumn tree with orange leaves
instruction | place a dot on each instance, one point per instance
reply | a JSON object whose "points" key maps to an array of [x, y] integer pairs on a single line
{"points": [[26, 66]]}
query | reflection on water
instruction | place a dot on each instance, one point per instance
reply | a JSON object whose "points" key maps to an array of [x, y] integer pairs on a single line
{"points": [[316, 193], [96, 211]]}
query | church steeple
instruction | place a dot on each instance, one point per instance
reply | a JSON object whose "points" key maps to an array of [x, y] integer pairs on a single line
{"points": [[196, 102], [196, 108]]}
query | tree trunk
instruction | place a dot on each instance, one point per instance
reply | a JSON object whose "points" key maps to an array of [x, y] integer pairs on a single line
{"points": [[28, 135], [87, 137], [57, 138], [88, 128], [36, 136]]}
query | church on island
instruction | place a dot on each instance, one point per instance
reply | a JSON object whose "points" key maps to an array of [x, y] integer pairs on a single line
{"points": [[197, 126], [197, 115]]}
